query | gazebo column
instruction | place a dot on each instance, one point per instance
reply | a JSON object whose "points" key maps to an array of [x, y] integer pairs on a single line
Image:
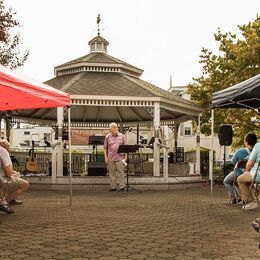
{"points": [[198, 145], [165, 154], [8, 129], [3, 131], [60, 119], [156, 147], [176, 128]]}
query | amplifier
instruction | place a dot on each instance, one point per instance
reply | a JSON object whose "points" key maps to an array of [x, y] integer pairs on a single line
{"points": [[97, 169]]}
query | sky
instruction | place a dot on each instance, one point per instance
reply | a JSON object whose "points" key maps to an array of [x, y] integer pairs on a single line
{"points": [[162, 38]]}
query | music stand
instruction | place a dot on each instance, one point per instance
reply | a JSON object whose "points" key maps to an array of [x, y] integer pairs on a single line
{"points": [[95, 140], [124, 148]]}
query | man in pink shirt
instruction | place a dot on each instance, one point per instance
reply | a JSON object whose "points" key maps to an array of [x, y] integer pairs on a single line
{"points": [[114, 160]]}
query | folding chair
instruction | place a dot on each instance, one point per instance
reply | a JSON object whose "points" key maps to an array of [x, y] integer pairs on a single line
{"points": [[255, 224], [3, 203], [255, 185], [254, 188]]}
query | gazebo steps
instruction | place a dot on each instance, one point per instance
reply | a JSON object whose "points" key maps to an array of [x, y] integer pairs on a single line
{"points": [[101, 183]]}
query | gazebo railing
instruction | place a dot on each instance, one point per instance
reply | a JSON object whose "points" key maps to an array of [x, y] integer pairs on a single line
{"points": [[139, 163], [43, 160]]}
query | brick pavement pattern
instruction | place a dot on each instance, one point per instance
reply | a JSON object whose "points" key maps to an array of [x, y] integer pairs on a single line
{"points": [[173, 224]]}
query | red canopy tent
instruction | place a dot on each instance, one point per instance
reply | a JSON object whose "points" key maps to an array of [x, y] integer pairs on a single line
{"points": [[18, 92]]}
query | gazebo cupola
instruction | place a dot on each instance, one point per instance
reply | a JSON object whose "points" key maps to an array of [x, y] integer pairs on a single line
{"points": [[98, 44], [97, 61]]}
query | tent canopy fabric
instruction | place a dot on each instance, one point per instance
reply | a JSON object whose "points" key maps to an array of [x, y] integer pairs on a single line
{"points": [[20, 92], [245, 94]]}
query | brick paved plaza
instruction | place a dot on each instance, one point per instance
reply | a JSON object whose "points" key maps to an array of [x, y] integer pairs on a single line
{"points": [[173, 224]]}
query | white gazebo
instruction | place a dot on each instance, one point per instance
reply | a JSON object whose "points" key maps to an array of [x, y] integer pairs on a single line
{"points": [[104, 89]]}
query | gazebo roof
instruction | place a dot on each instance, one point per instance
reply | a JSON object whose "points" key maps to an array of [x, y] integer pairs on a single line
{"points": [[98, 39], [97, 61], [104, 89], [110, 84]]}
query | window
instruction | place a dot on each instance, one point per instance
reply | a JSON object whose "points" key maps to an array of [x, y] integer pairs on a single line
{"points": [[187, 130], [26, 133]]}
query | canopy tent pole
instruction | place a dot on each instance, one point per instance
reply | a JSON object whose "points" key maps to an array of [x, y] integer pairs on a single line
{"points": [[198, 160], [70, 162], [211, 155]]}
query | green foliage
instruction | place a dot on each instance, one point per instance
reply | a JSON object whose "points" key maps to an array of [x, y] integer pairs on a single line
{"points": [[238, 60], [10, 55]]}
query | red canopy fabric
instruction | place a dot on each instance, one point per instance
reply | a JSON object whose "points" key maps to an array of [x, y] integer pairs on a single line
{"points": [[20, 92]]}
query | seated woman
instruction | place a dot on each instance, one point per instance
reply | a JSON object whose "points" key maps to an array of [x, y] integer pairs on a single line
{"points": [[11, 185], [242, 153]]}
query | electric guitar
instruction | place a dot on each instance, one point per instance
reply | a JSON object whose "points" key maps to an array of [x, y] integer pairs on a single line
{"points": [[31, 164]]}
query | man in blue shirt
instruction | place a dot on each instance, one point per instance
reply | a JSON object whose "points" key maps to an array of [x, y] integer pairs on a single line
{"points": [[240, 154], [247, 177]]}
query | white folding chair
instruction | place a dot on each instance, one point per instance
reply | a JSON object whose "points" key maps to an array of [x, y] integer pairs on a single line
{"points": [[254, 187], [254, 190]]}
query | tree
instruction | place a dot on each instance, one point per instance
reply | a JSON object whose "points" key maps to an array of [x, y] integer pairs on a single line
{"points": [[10, 55], [238, 60]]}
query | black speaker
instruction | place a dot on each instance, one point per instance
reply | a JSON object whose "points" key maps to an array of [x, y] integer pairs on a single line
{"points": [[97, 169], [225, 135], [171, 157]]}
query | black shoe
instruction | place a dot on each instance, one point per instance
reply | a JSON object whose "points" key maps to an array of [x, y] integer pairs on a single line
{"points": [[234, 201], [112, 190], [6, 209], [16, 202], [123, 189]]}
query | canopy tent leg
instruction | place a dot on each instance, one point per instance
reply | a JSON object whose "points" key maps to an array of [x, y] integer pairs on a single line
{"points": [[60, 121], [198, 170], [70, 161], [176, 129], [211, 156]]}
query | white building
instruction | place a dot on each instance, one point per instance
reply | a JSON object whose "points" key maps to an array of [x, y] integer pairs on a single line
{"points": [[21, 138], [186, 136]]}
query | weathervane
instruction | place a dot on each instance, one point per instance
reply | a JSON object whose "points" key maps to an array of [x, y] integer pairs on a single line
{"points": [[98, 22]]}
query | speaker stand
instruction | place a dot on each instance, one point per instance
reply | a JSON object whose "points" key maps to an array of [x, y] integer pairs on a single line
{"points": [[128, 187], [224, 161], [128, 149]]}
